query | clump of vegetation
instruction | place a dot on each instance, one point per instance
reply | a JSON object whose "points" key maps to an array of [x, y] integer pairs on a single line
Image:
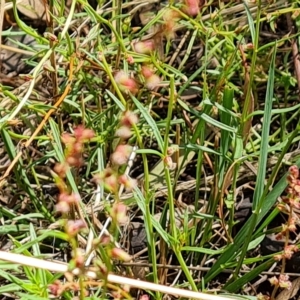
{"points": [[146, 147]]}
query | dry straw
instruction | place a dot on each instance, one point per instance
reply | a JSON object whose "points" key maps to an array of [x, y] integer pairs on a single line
{"points": [[63, 268]]}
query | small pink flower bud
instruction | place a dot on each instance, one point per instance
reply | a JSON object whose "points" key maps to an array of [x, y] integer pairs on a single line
{"points": [[129, 118], [77, 148], [120, 254], [171, 15], [67, 139], [294, 248], [147, 72], [283, 277], [102, 267], [62, 207], [128, 182], [145, 47], [78, 258], [74, 161], [249, 46], [50, 36], [292, 224], [104, 240], [108, 177], [172, 149], [82, 134], [295, 203], [73, 227], [117, 294], [152, 82], [111, 183], [130, 59], [291, 180], [284, 228], [69, 198], [294, 171], [64, 202], [99, 177], [292, 227], [278, 257], [125, 83], [285, 284], [56, 288], [124, 132], [284, 281], [297, 187], [260, 296], [169, 30], [126, 288], [289, 190], [121, 155], [170, 18], [274, 281], [289, 251], [61, 169], [169, 163], [191, 7], [119, 213]]}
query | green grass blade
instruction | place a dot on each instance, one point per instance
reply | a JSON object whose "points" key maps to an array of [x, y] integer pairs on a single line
{"points": [[40, 274], [262, 165], [250, 22], [263, 157], [145, 113], [255, 218], [248, 277]]}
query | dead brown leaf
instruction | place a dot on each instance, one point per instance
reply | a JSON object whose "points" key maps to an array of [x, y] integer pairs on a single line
{"points": [[290, 293], [33, 9]]}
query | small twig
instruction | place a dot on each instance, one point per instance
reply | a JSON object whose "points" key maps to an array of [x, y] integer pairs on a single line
{"points": [[17, 50], [181, 44]]}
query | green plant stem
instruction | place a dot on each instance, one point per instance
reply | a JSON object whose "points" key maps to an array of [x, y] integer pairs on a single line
{"points": [[253, 64], [82, 288], [113, 82], [104, 21], [167, 172], [243, 120], [148, 220], [171, 203]]}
